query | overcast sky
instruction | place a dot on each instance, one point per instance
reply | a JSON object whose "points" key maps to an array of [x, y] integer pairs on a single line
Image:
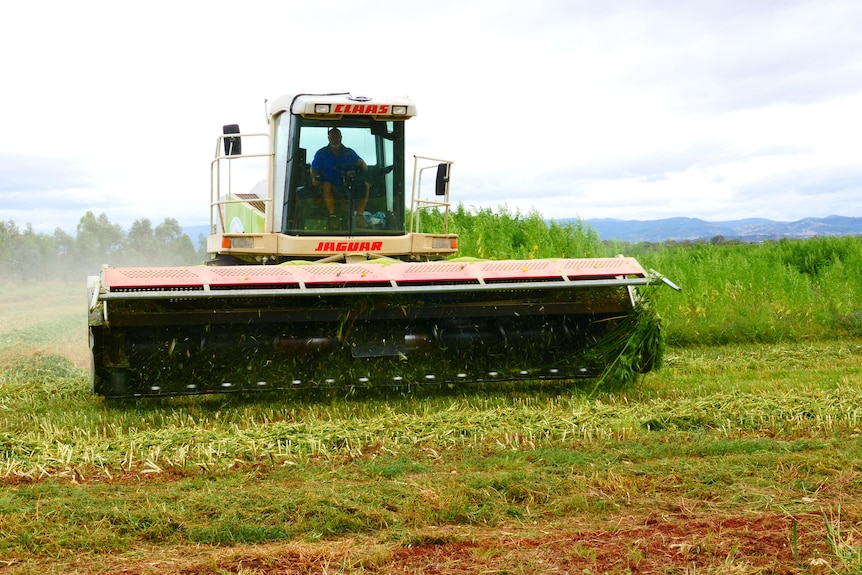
{"points": [[715, 109]]}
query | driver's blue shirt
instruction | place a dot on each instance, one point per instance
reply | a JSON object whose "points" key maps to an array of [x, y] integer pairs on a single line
{"points": [[326, 163]]}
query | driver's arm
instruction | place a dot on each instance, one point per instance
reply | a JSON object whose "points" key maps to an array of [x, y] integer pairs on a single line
{"points": [[316, 168]]}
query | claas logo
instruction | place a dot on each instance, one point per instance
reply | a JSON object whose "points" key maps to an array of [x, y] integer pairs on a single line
{"points": [[362, 108]]}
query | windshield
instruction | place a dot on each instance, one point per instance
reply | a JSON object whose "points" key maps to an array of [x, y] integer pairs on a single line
{"points": [[340, 178]]}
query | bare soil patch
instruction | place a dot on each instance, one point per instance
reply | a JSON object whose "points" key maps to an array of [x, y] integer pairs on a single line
{"points": [[634, 543]]}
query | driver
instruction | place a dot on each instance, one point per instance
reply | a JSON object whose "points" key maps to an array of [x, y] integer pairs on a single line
{"points": [[326, 168]]}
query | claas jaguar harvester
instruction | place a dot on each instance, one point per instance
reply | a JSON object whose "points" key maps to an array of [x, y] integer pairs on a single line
{"points": [[305, 291]]}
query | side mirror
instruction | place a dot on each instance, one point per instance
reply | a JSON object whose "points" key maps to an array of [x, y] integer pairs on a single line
{"points": [[232, 145], [442, 187], [378, 128]]}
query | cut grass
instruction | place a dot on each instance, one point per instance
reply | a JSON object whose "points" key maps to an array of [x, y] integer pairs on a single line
{"points": [[88, 476], [732, 459], [52, 425]]}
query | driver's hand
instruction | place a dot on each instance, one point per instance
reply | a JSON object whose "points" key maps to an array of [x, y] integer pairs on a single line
{"points": [[315, 181]]}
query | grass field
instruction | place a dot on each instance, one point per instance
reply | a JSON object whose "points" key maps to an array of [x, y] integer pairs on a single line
{"points": [[736, 458]]}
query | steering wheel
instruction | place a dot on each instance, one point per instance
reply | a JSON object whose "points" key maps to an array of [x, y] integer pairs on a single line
{"points": [[350, 174], [372, 171]]}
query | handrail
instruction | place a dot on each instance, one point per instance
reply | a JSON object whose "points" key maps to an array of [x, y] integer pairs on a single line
{"points": [[417, 203], [216, 200]]}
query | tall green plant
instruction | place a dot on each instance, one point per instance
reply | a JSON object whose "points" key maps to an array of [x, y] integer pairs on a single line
{"points": [[504, 234], [762, 293]]}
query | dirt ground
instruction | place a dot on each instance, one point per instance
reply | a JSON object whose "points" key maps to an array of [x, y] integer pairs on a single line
{"points": [[662, 543]]}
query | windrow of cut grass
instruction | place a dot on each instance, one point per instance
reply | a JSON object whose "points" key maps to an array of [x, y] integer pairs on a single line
{"points": [[52, 426]]}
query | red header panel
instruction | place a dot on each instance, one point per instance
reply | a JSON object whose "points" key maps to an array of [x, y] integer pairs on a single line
{"points": [[368, 273]]}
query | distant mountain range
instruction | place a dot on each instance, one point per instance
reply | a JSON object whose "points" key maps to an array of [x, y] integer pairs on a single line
{"points": [[692, 229], [748, 230]]}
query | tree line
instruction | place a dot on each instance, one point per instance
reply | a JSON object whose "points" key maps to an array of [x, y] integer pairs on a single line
{"points": [[28, 255]]}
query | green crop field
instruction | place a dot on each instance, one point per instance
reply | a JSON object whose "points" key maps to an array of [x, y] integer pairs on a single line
{"points": [[741, 454]]}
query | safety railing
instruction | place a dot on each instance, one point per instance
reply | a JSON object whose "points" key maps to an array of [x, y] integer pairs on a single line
{"points": [[228, 149], [418, 203]]}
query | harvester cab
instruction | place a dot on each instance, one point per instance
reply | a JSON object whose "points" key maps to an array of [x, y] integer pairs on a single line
{"points": [[323, 199], [321, 277]]}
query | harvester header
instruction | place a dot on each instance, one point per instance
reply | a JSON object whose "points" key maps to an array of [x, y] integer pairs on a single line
{"points": [[321, 275]]}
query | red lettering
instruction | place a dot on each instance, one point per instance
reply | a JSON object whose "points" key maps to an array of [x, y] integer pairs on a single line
{"points": [[361, 109], [349, 246], [325, 247]]}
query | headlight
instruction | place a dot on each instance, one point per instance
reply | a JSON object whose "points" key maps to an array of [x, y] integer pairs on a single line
{"points": [[241, 243], [444, 243]]}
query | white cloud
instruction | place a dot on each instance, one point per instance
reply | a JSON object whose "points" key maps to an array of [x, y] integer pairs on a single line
{"points": [[627, 109]]}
